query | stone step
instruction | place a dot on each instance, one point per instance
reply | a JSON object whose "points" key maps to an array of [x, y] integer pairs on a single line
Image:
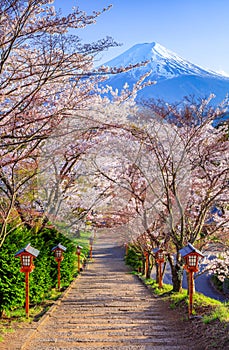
{"points": [[73, 343]]}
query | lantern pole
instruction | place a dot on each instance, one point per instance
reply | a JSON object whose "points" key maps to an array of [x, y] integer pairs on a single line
{"points": [[58, 251], [58, 273], [160, 259], [146, 262], [27, 293], [190, 293], [78, 262], [160, 275], [26, 255], [191, 255]]}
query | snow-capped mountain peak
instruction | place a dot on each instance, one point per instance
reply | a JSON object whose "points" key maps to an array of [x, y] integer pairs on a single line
{"points": [[163, 62], [175, 76]]}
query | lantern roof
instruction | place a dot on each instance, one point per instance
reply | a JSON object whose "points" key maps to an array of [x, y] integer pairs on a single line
{"points": [[60, 247], [188, 249], [80, 247], [28, 249]]}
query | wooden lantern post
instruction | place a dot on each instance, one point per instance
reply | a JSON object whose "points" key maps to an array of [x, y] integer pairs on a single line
{"points": [[191, 256], [27, 255], [58, 251], [160, 259], [78, 251]]}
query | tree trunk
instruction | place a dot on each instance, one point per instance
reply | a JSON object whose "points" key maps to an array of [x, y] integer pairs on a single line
{"points": [[147, 265], [22, 214], [157, 272], [163, 266], [77, 233], [143, 265], [177, 274]]}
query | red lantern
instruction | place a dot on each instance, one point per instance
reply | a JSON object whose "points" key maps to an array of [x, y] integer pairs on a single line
{"points": [[191, 262], [58, 251], [160, 259], [79, 249], [191, 256], [27, 255], [160, 256]]}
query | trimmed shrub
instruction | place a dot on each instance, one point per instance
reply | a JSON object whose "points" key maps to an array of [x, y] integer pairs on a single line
{"points": [[133, 259], [44, 276]]}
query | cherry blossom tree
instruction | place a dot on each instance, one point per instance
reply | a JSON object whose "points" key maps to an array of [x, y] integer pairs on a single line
{"points": [[47, 75], [162, 179], [204, 213], [182, 164]]}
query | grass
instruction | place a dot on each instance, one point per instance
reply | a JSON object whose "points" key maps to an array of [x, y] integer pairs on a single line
{"points": [[54, 294], [166, 288], [12, 319], [209, 309], [19, 315], [83, 240], [220, 313]]}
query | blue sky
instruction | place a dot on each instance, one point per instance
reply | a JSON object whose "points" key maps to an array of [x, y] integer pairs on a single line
{"points": [[196, 30]]}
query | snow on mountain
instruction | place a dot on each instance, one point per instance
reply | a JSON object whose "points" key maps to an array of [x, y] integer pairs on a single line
{"points": [[175, 76]]}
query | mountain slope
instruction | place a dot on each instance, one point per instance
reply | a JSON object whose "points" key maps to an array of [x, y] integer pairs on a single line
{"points": [[174, 76]]}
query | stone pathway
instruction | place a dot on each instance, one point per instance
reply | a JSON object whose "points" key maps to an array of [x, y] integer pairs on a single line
{"points": [[109, 308]]}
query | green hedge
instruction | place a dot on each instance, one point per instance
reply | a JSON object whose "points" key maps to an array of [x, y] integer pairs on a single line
{"points": [[44, 276], [133, 258]]}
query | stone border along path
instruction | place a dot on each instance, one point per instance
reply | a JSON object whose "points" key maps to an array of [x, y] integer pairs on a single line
{"points": [[107, 307]]}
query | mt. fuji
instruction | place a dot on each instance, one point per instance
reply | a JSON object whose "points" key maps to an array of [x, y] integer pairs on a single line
{"points": [[175, 77]]}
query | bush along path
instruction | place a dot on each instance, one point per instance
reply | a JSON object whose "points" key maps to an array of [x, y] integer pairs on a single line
{"points": [[44, 276]]}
